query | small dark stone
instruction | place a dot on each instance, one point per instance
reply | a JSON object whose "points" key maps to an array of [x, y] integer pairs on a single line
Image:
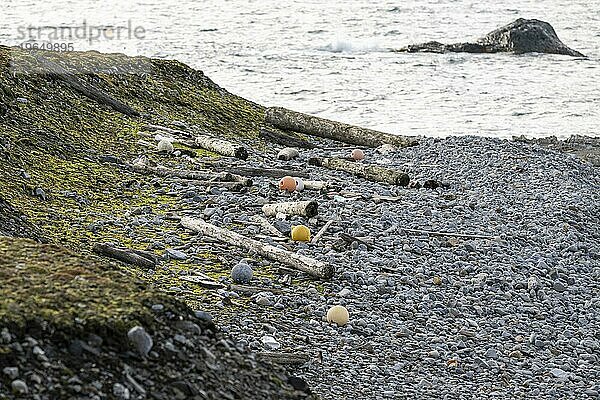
{"points": [[299, 384]]}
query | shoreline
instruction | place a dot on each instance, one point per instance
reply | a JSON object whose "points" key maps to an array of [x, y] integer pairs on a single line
{"points": [[507, 305]]}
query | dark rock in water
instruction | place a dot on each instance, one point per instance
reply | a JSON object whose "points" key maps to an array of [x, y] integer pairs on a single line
{"points": [[520, 36]]}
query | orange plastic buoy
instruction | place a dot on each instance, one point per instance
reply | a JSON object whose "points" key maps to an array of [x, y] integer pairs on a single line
{"points": [[287, 183], [357, 154]]}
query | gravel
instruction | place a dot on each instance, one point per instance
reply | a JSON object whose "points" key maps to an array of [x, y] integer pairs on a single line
{"points": [[444, 316]]}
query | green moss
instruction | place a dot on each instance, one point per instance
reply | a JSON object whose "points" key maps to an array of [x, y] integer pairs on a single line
{"points": [[72, 293], [58, 137]]}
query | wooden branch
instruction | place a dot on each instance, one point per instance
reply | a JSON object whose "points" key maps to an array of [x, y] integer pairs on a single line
{"points": [[349, 239], [287, 154], [451, 234], [56, 71], [125, 255], [283, 358], [284, 139], [154, 128], [303, 123], [309, 265], [252, 289], [222, 147], [322, 231], [370, 172], [306, 209], [267, 172]]}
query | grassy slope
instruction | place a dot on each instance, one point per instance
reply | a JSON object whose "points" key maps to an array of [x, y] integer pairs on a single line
{"points": [[57, 135]]}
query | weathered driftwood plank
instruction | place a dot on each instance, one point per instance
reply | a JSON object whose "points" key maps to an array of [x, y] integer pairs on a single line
{"points": [[125, 255], [267, 172], [285, 139], [299, 262], [303, 123], [369, 172], [316, 185], [303, 208], [222, 147], [284, 358], [56, 71]]}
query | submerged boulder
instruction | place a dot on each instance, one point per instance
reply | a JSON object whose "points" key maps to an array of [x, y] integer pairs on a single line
{"points": [[520, 36]]}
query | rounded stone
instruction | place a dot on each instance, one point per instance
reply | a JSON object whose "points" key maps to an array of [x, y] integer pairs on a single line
{"points": [[165, 146], [339, 315], [299, 184], [241, 273]]}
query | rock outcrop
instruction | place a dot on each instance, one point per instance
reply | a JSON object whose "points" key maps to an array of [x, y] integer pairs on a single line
{"points": [[520, 36]]}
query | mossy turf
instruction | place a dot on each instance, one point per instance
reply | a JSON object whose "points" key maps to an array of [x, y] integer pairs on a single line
{"points": [[56, 135], [54, 138], [50, 288]]}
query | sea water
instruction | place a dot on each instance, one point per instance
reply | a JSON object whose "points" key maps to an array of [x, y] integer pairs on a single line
{"points": [[333, 58]]}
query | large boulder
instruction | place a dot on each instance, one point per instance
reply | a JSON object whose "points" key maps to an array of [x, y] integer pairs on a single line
{"points": [[520, 36]]}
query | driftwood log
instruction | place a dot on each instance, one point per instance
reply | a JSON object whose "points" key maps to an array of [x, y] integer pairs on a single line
{"points": [[370, 172], [289, 120], [285, 139], [128, 256], [267, 172], [299, 262], [221, 177], [283, 358], [306, 209], [56, 71], [222, 147], [316, 185]]}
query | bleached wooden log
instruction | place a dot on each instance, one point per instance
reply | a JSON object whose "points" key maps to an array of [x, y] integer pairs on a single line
{"points": [[370, 172], [222, 147], [315, 185], [306, 209], [289, 120], [287, 154], [299, 262]]}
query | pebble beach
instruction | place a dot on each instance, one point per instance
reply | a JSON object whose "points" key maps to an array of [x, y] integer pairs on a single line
{"points": [[479, 279]]}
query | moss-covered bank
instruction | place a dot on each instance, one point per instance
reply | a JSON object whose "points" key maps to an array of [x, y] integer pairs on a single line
{"points": [[54, 187]]}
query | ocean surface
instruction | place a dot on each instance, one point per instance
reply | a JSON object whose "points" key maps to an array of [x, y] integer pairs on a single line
{"points": [[333, 58]]}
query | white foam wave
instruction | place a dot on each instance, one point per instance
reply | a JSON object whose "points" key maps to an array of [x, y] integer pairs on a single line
{"points": [[352, 45]]}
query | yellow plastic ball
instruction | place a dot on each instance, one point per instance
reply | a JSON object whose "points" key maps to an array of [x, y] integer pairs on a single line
{"points": [[339, 315], [301, 233]]}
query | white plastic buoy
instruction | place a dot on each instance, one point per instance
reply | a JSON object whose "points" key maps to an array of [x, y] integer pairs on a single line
{"points": [[339, 315]]}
